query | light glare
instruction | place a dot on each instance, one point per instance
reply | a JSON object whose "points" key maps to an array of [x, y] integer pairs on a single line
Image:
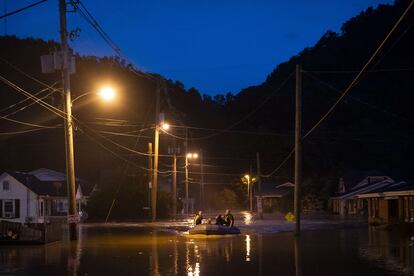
{"points": [[107, 93]]}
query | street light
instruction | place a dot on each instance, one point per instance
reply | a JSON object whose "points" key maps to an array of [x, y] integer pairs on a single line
{"points": [[165, 126], [249, 181], [187, 157], [107, 94]]}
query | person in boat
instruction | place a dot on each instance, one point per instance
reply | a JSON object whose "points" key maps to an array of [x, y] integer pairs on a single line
{"points": [[219, 220], [198, 218], [228, 219]]}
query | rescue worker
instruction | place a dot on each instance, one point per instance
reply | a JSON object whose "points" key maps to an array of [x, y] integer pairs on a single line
{"points": [[228, 219], [198, 218], [219, 220]]}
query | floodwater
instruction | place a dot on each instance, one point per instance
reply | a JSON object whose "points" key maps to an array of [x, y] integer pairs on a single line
{"points": [[131, 250]]}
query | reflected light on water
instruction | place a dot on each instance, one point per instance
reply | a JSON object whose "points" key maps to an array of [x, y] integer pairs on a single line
{"points": [[247, 248], [247, 218]]}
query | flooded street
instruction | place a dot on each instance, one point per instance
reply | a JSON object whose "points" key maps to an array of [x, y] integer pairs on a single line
{"points": [[139, 250]]}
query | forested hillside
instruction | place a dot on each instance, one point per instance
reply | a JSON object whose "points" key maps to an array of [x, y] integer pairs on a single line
{"points": [[372, 128]]}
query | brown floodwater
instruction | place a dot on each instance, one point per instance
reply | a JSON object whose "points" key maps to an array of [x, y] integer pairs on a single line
{"points": [[131, 250]]}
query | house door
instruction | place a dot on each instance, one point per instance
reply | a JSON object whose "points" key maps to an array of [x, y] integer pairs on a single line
{"points": [[393, 209]]}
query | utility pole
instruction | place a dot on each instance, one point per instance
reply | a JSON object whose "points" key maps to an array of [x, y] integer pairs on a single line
{"points": [[298, 148], [150, 175], [70, 161], [156, 147], [174, 189], [248, 192], [174, 150], [202, 180], [259, 182], [186, 170], [250, 188], [186, 185]]}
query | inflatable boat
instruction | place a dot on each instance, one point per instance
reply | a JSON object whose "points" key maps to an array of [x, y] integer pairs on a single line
{"points": [[212, 229]]}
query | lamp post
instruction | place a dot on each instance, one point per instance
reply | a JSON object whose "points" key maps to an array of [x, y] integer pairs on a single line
{"points": [[64, 62], [187, 157], [249, 181], [247, 177]]}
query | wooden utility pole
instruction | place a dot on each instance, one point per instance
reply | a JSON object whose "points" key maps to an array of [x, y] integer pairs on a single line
{"points": [[70, 160], [186, 185], [298, 148], [259, 183], [150, 175], [201, 180], [156, 148], [250, 189], [186, 170], [174, 187]]}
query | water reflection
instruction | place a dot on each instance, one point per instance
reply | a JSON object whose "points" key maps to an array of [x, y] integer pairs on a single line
{"points": [[143, 251], [298, 257], [390, 249], [75, 254], [247, 248]]}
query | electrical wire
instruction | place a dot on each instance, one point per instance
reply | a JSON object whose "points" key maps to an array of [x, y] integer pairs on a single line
{"points": [[22, 9], [23, 131], [251, 113], [17, 69], [222, 131], [353, 82], [331, 87], [39, 101], [25, 123]]}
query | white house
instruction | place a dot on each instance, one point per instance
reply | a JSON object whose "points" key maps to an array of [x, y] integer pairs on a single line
{"points": [[37, 196]]}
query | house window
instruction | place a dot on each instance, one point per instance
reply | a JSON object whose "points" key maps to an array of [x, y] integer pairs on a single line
{"points": [[62, 206], [8, 208], [6, 185]]}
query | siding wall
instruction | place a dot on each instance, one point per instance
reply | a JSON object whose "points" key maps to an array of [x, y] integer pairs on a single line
{"points": [[28, 199]]}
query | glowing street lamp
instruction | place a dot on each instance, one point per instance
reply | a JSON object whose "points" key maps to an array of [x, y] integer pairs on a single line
{"points": [[249, 192], [165, 126], [188, 156], [107, 93]]}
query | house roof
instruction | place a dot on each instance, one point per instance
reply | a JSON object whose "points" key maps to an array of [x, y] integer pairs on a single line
{"points": [[399, 188], [49, 182], [354, 179], [368, 187], [44, 174]]}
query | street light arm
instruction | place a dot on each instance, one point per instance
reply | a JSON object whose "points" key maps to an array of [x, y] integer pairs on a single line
{"points": [[81, 96]]}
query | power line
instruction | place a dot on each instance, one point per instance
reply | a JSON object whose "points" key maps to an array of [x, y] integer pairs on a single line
{"points": [[23, 101], [384, 70], [22, 9], [25, 123], [222, 131], [358, 100], [244, 118], [39, 101], [353, 82], [332, 108], [23, 131]]}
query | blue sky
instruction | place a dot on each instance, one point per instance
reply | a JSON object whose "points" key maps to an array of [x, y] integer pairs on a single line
{"points": [[215, 46]]}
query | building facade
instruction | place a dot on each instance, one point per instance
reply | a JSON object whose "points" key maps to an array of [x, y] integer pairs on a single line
{"points": [[36, 197]]}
